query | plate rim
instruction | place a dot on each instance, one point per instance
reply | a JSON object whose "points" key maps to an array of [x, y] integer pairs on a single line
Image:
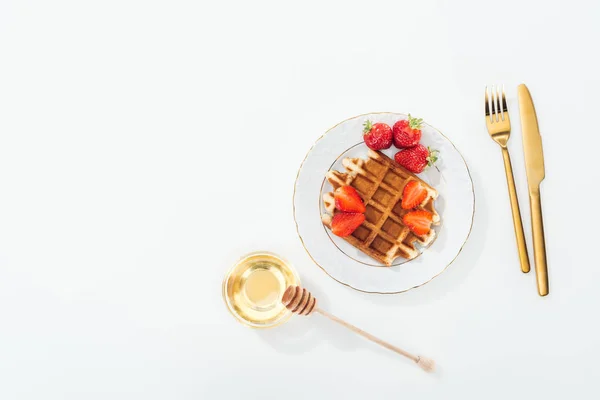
{"points": [[302, 240]]}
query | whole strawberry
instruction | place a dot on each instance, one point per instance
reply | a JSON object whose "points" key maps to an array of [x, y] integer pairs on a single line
{"points": [[377, 136], [407, 132], [416, 158]]}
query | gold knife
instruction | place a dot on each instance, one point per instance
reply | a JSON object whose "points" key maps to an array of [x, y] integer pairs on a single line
{"points": [[534, 165]]}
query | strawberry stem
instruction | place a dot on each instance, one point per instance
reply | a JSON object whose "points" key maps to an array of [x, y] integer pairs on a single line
{"points": [[367, 126], [432, 157], [415, 123]]}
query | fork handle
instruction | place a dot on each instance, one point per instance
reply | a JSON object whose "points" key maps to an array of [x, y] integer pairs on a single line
{"points": [[539, 243], [516, 212]]}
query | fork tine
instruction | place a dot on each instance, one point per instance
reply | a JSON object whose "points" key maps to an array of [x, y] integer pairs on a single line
{"points": [[494, 113], [487, 103], [504, 107], [499, 107]]}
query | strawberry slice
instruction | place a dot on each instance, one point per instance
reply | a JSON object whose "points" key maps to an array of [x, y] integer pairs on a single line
{"points": [[347, 199], [418, 221], [343, 224], [413, 195]]}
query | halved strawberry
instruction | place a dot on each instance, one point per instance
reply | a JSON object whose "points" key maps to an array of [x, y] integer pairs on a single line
{"points": [[418, 221], [347, 199], [343, 224], [413, 195]]}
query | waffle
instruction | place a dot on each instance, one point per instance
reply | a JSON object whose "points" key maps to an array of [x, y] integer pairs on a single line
{"points": [[380, 182]]}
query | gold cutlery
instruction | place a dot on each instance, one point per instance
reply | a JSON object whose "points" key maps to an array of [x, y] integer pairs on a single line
{"points": [[534, 165], [498, 126]]}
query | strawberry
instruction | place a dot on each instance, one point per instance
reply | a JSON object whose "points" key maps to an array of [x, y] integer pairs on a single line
{"points": [[415, 159], [414, 193], [343, 224], [347, 199], [377, 136], [418, 221], [407, 132]]}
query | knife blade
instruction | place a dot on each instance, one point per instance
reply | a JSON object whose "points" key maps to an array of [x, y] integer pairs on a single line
{"points": [[534, 166], [532, 140]]}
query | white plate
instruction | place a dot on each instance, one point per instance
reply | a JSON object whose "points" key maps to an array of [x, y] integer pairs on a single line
{"points": [[350, 266]]}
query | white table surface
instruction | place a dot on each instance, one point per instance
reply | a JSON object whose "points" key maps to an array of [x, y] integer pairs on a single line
{"points": [[145, 146]]}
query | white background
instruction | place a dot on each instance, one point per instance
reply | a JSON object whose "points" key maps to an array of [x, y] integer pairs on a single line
{"points": [[146, 145]]}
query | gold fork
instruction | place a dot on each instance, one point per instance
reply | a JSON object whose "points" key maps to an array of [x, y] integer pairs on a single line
{"points": [[498, 125]]}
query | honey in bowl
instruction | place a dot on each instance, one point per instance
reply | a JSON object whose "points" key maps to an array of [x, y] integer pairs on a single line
{"points": [[253, 288]]}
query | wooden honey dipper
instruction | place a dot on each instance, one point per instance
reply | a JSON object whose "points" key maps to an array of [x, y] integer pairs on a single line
{"points": [[300, 301]]}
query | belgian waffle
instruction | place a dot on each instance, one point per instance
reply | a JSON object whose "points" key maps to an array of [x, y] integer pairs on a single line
{"points": [[380, 182]]}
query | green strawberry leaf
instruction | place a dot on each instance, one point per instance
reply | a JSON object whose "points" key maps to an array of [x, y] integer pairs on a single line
{"points": [[415, 123], [432, 157]]}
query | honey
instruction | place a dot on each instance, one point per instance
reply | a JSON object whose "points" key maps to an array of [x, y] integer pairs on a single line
{"points": [[254, 287]]}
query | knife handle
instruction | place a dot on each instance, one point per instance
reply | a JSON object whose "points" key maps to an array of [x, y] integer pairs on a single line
{"points": [[516, 212], [539, 243]]}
